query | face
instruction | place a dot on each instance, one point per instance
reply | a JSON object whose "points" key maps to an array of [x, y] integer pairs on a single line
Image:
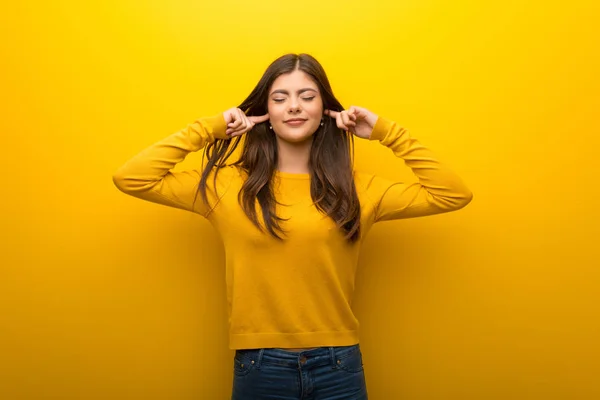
{"points": [[295, 96]]}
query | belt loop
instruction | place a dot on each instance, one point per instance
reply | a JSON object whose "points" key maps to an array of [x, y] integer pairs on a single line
{"points": [[332, 356], [259, 358]]}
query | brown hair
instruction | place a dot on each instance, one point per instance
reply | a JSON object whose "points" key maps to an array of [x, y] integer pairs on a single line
{"points": [[331, 172]]}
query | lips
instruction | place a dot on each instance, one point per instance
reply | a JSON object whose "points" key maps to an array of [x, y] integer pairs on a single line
{"points": [[295, 122]]}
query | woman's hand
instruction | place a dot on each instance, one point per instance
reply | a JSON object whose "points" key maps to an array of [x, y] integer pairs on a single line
{"points": [[239, 123], [357, 120]]}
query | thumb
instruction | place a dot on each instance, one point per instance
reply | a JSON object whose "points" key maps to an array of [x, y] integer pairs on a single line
{"points": [[258, 119]]}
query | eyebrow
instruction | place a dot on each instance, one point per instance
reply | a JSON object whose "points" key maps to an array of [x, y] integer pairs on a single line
{"points": [[283, 91]]}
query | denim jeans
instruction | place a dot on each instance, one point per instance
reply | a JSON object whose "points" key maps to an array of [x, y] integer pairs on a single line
{"points": [[324, 373]]}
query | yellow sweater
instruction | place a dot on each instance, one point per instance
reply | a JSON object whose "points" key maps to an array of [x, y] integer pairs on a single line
{"points": [[295, 293]]}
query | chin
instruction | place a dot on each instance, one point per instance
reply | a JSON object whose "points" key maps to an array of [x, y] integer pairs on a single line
{"points": [[295, 137]]}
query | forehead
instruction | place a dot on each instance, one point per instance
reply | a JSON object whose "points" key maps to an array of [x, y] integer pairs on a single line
{"points": [[294, 80]]}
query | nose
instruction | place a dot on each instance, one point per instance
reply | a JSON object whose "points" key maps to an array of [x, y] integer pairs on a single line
{"points": [[294, 107]]}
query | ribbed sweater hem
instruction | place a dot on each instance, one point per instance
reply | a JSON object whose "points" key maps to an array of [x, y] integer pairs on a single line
{"points": [[293, 340]]}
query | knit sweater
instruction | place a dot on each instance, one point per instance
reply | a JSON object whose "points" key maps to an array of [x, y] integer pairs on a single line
{"points": [[295, 292]]}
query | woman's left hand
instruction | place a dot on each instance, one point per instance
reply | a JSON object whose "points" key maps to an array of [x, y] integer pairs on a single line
{"points": [[357, 120]]}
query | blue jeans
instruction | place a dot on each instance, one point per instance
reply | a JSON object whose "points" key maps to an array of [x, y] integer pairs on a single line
{"points": [[324, 373]]}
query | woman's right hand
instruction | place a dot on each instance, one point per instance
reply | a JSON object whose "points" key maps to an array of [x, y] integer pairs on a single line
{"points": [[239, 123]]}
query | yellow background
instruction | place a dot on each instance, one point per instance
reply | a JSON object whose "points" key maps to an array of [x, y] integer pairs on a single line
{"points": [[103, 296]]}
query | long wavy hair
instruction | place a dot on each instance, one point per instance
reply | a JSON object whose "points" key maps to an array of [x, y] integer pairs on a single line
{"points": [[331, 171]]}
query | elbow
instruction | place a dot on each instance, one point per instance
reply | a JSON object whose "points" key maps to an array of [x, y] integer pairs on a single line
{"points": [[120, 181], [132, 184], [461, 201]]}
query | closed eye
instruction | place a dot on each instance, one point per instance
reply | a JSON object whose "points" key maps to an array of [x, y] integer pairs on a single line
{"points": [[304, 98]]}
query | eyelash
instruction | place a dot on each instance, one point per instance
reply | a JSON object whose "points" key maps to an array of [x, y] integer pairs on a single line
{"points": [[305, 98]]}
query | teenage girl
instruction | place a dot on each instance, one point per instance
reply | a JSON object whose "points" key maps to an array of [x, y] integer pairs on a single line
{"points": [[292, 213]]}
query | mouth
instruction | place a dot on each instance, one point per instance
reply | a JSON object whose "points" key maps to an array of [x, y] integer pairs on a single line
{"points": [[295, 121]]}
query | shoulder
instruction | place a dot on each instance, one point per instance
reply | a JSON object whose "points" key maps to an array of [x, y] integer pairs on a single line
{"points": [[223, 177], [220, 184], [365, 183], [363, 180], [226, 171], [372, 186]]}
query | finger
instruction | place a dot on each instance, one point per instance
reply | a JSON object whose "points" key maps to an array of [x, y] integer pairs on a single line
{"points": [[235, 124], [230, 124], [248, 125], [354, 113], [346, 119], [340, 122], [352, 119], [249, 122], [239, 132], [243, 118], [235, 119], [227, 117], [243, 121], [259, 119], [331, 113]]}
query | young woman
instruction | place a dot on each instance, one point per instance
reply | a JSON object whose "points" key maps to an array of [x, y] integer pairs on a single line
{"points": [[292, 213]]}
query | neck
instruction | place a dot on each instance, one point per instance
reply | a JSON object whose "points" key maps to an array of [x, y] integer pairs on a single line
{"points": [[294, 157]]}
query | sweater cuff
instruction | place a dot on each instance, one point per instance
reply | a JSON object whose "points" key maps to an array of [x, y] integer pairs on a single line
{"points": [[381, 128], [217, 125]]}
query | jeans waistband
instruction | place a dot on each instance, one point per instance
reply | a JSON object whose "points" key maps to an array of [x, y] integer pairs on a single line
{"points": [[305, 359]]}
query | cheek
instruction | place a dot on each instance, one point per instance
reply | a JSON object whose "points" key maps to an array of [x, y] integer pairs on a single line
{"points": [[317, 110], [276, 112]]}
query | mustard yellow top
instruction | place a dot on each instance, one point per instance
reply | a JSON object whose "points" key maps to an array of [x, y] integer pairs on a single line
{"points": [[297, 292]]}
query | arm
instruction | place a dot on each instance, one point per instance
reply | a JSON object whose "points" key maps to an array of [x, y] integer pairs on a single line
{"points": [[148, 175], [438, 189]]}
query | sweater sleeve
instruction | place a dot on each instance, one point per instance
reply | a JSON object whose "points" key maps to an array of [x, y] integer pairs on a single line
{"points": [[438, 189], [149, 176]]}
